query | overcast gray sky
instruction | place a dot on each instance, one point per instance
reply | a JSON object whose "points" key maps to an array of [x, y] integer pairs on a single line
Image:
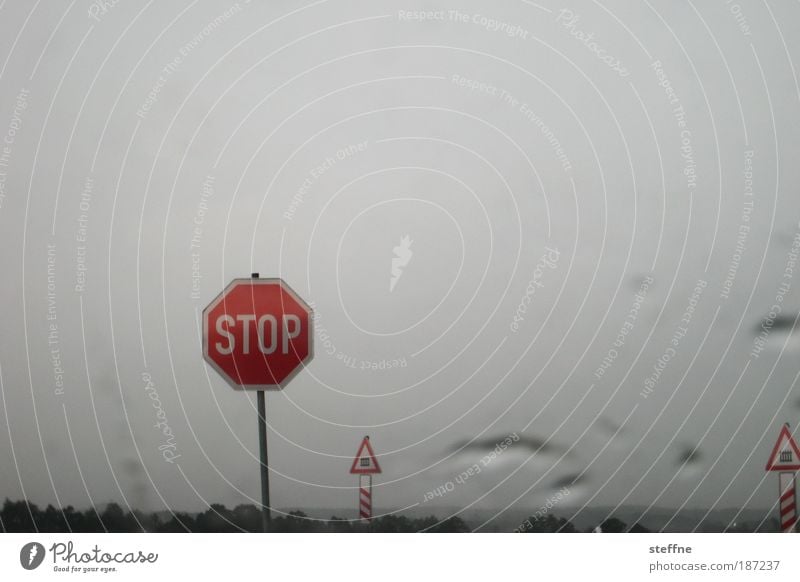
{"points": [[577, 182]]}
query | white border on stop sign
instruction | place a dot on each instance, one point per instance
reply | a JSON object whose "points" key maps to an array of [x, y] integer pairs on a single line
{"points": [[252, 281]]}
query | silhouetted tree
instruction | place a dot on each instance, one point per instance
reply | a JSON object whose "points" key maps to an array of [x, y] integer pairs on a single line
{"points": [[549, 524], [613, 525], [433, 525], [247, 517], [116, 520], [294, 522], [391, 524], [73, 518], [91, 521], [178, 523], [340, 525], [52, 520], [20, 516], [146, 522], [217, 519]]}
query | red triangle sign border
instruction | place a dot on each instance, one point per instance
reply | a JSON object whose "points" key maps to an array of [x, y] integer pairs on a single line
{"points": [[772, 465], [373, 469]]}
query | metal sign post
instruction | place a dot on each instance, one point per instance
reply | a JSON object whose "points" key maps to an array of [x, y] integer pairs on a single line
{"points": [[258, 335], [266, 513]]}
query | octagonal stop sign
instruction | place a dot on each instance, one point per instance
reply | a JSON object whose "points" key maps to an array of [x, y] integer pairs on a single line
{"points": [[257, 334]]}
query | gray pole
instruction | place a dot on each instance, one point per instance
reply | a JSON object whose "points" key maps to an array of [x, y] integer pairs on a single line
{"points": [[266, 516]]}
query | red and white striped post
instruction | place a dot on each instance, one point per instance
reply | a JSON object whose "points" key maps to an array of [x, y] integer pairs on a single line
{"points": [[785, 460], [365, 465], [788, 502], [365, 497]]}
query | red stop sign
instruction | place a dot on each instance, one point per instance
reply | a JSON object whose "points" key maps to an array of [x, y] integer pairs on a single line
{"points": [[257, 334]]}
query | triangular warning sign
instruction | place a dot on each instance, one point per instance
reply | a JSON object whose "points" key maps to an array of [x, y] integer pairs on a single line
{"points": [[365, 462], [785, 454]]}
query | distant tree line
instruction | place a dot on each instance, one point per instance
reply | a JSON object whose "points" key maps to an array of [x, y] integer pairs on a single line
{"points": [[23, 516], [553, 524]]}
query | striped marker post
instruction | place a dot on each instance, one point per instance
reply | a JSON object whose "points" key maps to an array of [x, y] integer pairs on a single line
{"points": [[365, 465], [788, 502], [365, 497]]}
